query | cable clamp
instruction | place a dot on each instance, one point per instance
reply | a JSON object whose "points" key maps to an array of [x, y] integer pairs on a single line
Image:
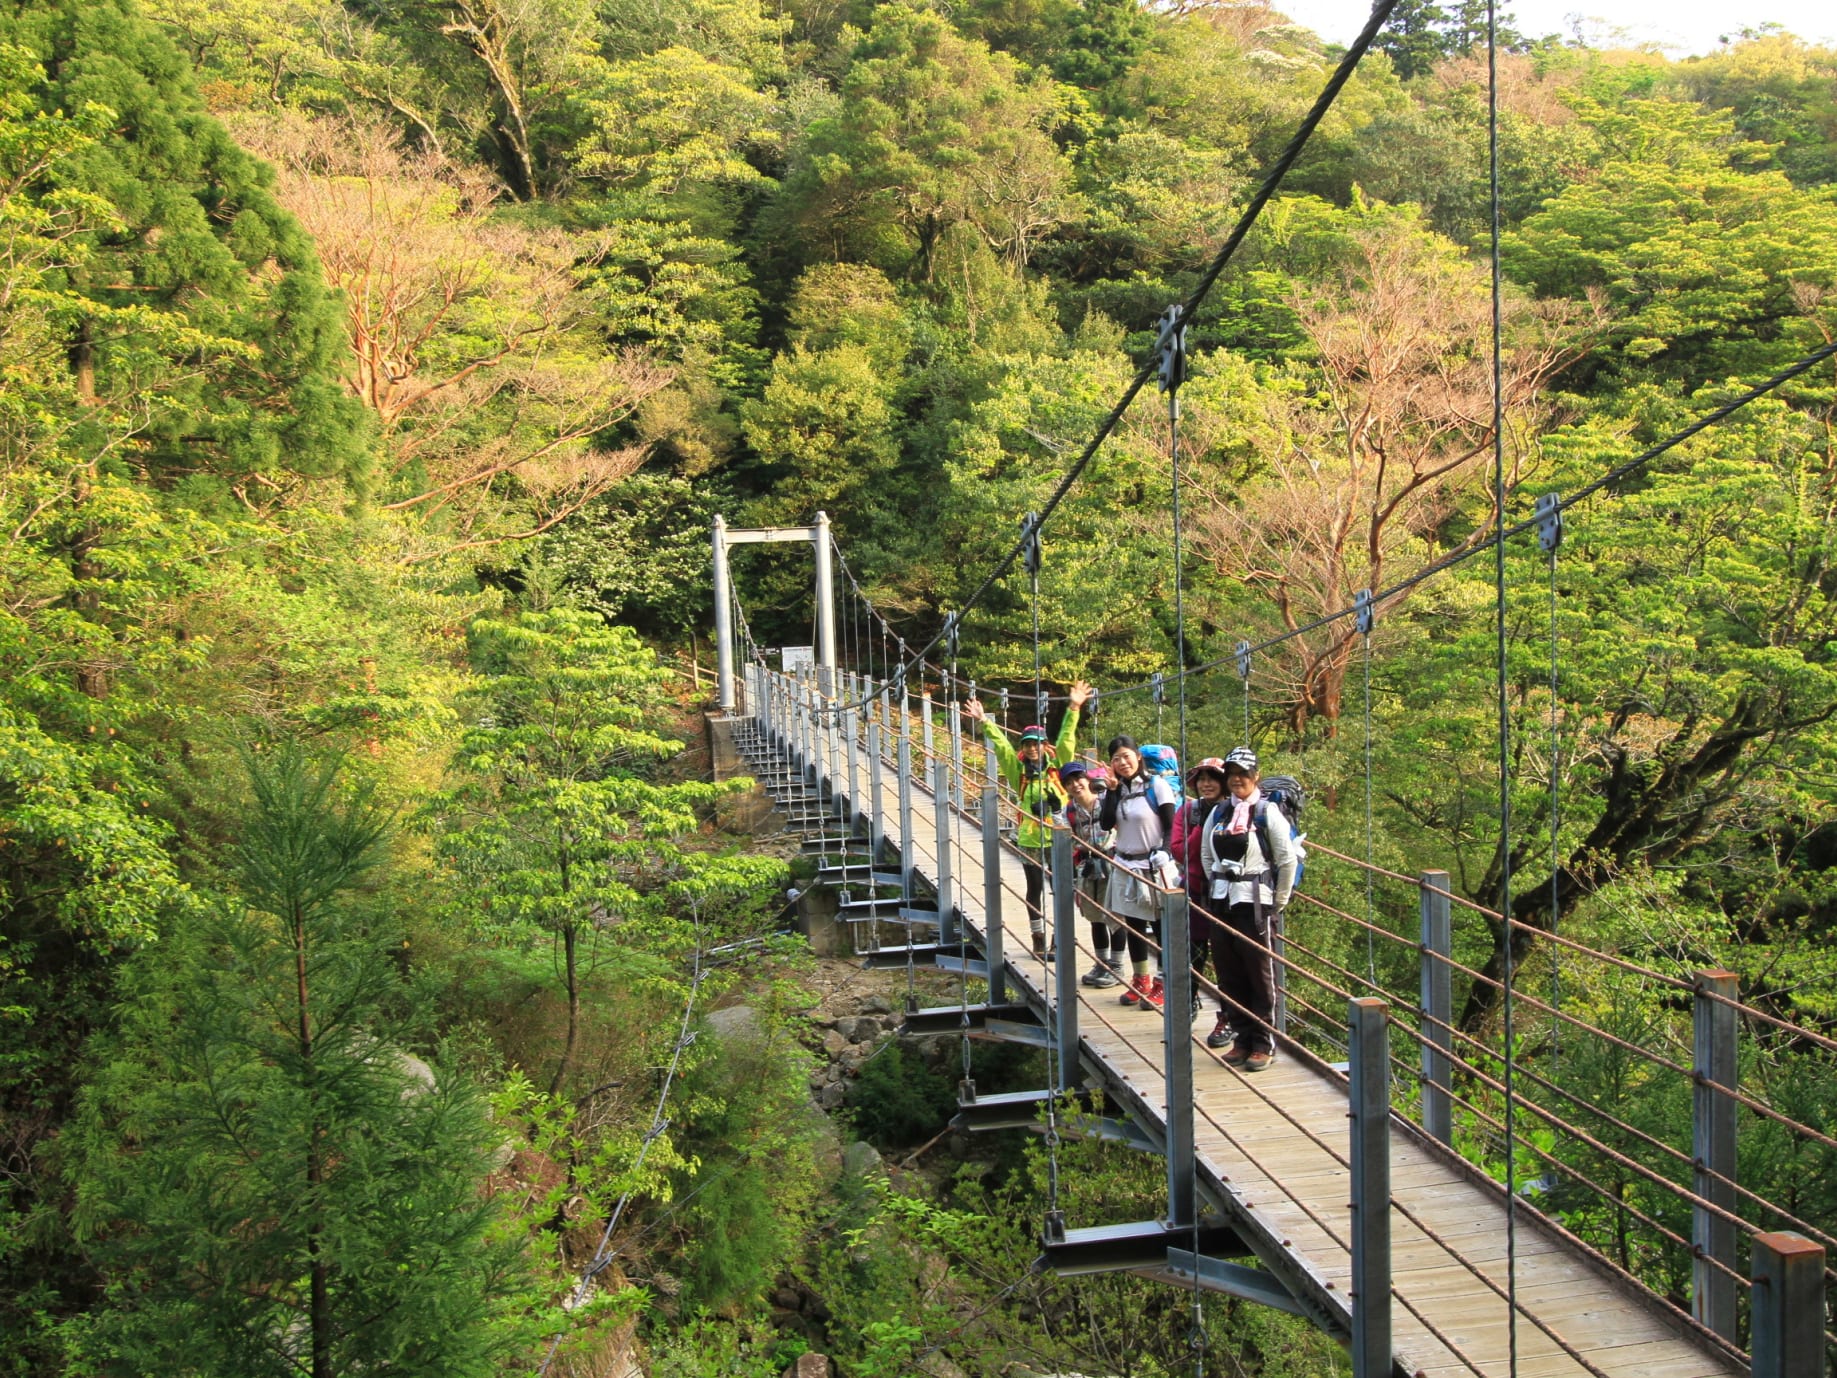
{"points": [[1090, 706], [1171, 343], [1549, 517], [1157, 685], [1043, 706], [1242, 655], [1362, 611], [1055, 1227], [1030, 542], [951, 635]]}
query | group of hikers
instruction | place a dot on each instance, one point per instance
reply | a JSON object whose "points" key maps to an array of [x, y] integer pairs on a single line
{"points": [[1138, 834]]}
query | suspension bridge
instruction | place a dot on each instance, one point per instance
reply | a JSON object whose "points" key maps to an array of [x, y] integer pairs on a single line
{"points": [[1338, 1184], [1327, 1188]]}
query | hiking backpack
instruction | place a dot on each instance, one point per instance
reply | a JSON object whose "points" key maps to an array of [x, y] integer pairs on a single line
{"points": [[1164, 761], [1289, 798]]}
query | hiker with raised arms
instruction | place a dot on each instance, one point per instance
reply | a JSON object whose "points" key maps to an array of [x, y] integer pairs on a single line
{"points": [[1030, 770]]}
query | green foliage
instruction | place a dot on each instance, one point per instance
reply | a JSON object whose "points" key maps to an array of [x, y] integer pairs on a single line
{"points": [[256, 1153], [554, 825], [201, 309], [898, 1100]]}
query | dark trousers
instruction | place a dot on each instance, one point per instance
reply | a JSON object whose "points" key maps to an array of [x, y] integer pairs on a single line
{"points": [[1246, 974], [1036, 895], [1141, 931]]}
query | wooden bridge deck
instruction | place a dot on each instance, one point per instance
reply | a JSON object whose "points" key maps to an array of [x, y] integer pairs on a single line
{"points": [[1272, 1150]]}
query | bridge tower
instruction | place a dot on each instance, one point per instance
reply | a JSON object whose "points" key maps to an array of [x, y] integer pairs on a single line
{"points": [[818, 536]]}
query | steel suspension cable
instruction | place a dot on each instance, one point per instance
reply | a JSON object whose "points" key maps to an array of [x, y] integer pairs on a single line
{"points": [[1505, 722], [1253, 210], [1371, 899]]}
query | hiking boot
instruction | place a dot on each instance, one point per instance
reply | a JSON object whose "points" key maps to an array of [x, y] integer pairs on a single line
{"points": [[1236, 1057], [1257, 1061], [1220, 1035], [1041, 950], [1101, 977], [1155, 996], [1139, 988]]}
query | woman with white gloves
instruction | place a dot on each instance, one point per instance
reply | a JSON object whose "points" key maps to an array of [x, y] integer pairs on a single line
{"points": [[1251, 858], [1138, 809]]}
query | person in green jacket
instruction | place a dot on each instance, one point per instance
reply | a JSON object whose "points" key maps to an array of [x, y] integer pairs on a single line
{"points": [[1030, 769]]}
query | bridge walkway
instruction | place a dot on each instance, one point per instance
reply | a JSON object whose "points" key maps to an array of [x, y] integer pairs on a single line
{"points": [[1273, 1153]]}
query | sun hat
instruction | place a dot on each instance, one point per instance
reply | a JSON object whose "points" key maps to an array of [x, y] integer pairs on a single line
{"points": [[1211, 765]]}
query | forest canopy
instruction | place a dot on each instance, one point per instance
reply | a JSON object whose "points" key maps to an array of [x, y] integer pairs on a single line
{"points": [[370, 374]]}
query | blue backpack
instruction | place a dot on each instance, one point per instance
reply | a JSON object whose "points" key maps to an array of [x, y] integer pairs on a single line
{"points": [[1163, 761]]}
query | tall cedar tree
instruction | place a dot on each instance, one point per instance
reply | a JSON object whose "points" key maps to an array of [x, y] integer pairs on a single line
{"points": [[268, 1183], [199, 238]]}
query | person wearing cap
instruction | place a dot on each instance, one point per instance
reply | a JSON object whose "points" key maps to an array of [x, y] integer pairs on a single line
{"points": [[1139, 809], [1026, 770], [1205, 784], [1252, 869], [1084, 788]]}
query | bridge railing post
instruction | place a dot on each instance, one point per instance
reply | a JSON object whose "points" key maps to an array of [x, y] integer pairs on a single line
{"points": [[958, 787], [1712, 1293], [1436, 1010], [949, 930], [1787, 1307], [925, 717], [1371, 1188], [1177, 1016], [851, 729], [876, 771], [991, 886], [835, 771], [907, 855], [1065, 967]]}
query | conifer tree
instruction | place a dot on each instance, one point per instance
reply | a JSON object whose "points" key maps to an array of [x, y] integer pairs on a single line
{"points": [[211, 320], [268, 1182]]}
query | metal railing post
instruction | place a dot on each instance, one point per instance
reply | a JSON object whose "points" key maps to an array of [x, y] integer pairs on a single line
{"points": [[851, 727], [1065, 966], [1177, 1014], [949, 930], [876, 770], [929, 731], [1787, 1307], [1436, 1011], [1712, 1291], [958, 791], [906, 853], [1371, 1189], [991, 887]]}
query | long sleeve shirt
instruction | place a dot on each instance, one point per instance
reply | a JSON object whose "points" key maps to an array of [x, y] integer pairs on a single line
{"points": [[1040, 793]]}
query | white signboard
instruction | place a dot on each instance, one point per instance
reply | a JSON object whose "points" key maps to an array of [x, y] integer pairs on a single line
{"points": [[795, 658]]}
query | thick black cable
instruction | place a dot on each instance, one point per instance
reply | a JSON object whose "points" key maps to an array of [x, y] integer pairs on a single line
{"points": [[1448, 562], [1265, 193], [1556, 859]]}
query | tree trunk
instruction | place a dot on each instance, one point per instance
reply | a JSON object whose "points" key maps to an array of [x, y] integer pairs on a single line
{"points": [[320, 1300], [569, 943], [1649, 818]]}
